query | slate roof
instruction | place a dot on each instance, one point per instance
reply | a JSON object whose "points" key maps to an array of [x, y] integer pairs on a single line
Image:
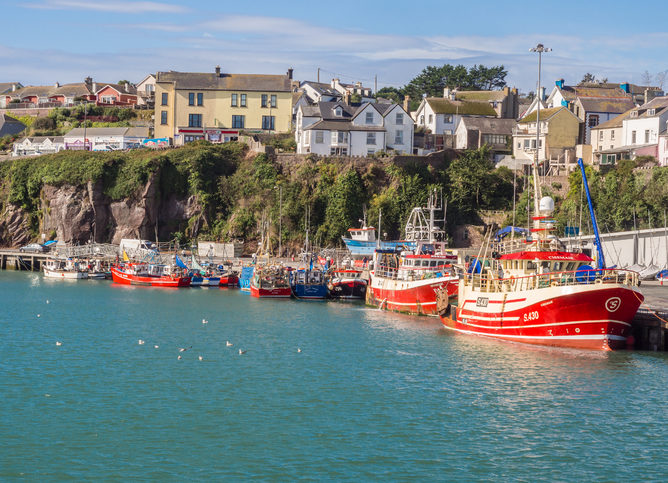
{"points": [[480, 96], [570, 93], [226, 82], [75, 89], [109, 131], [545, 114], [606, 104], [444, 106], [131, 90], [10, 126], [322, 88], [41, 139], [327, 111], [342, 126], [7, 86]]}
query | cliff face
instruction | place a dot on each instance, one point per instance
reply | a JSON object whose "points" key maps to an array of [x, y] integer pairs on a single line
{"points": [[79, 214]]}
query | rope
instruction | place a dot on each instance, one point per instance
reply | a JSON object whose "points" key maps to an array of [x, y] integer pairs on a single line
{"points": [[649, 309]]}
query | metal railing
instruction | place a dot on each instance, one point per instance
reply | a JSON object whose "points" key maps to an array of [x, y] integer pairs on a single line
{"points": [[488, 282]]}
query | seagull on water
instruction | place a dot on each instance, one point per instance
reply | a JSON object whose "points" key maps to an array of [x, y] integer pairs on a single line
{"points": [[204, 321], [156, 346], [58, 343], [183, 349], [178, 358], [299, 349], [140, 342], [241, 352], [48, 302], [38, 316], [229, 344], [199, 357]]}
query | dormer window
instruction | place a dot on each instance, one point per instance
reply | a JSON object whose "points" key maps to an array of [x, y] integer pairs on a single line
{"points": [[651, 112], [338, 112], [369, 118], [634, 113]]}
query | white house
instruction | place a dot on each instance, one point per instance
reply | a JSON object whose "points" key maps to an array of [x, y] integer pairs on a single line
{"points": [[106, 138], [320, 92], [441, 115], [336, 128], [645, 123], [357, 88], [663, 149], [36, 145], [146, 90]]}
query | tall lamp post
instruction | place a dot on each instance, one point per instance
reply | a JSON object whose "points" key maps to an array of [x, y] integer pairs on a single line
{"points": [[540, 48], [280, 217]]}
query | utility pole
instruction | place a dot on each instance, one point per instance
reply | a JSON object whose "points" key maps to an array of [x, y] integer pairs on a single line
{"points": [[318, 75]]}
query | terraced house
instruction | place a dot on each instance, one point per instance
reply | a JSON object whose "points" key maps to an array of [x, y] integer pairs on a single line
{"points": [[216, 106]]}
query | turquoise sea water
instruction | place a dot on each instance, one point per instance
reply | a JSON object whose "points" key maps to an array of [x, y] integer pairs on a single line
{"points": [[372, 395]]}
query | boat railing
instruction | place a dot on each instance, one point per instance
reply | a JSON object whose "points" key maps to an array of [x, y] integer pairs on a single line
{"points": [[383, 271], [489, 282]]}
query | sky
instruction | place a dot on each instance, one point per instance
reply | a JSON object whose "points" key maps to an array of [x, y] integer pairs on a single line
{"points": [[48, 41]]}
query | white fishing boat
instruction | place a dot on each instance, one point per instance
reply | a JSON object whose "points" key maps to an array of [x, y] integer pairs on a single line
{"points": [[65, 269]]}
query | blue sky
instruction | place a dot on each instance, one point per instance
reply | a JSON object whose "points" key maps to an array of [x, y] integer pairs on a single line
{"points": [[44, 41]]}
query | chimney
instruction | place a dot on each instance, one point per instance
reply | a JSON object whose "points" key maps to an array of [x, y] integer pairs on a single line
{"points": [[446, 93], [13, 87], [126, 86], [56, 85], [506, 91], [346, 97], [407, 104], [335, 82], [625, 87], [94, 87], [559, 83], [290, 73], [218, 70]]}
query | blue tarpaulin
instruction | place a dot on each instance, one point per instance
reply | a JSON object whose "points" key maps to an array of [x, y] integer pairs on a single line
{"points": [[508, 229], [179, 262]]}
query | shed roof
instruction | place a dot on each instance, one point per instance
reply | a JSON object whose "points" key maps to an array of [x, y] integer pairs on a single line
{"points": [[444, 106]]}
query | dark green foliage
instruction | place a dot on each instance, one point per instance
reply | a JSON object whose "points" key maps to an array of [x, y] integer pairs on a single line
{"points": [[432, 80], [391, 93]]}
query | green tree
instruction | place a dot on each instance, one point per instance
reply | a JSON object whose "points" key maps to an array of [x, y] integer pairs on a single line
{"points": [[392, 93], [344, 206]]}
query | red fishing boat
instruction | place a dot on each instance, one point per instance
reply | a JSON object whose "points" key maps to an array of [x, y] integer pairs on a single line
{"points": [[534, 290], [407, 281], [270, 282], [229, 279], [154, 275]]}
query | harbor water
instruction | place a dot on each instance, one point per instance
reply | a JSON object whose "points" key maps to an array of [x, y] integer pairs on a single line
{"points": [[371, 395]]}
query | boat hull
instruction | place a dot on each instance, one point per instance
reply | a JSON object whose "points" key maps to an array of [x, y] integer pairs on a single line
{"points": [[124, 278], [583, 316], [273, 293], [229, 280], [65, 274], [416, 297], [349, 289], [311, 292]]}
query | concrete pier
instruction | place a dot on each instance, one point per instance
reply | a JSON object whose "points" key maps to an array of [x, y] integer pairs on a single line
{"points": [[17, 260]]}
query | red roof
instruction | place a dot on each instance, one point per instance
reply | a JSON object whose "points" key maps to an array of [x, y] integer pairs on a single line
{"points": [[548, 255]]}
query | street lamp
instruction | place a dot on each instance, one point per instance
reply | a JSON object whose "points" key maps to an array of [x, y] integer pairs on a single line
{"points": [[280, 217], [540, 48]]}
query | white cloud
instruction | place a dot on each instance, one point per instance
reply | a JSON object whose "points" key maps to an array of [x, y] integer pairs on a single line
{"points": [[108, 6]]}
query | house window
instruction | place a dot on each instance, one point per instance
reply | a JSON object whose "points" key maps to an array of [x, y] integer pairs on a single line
{"points": [[234, 100], [191, 98], [319, 137], [338, 112], [422, 119], [399, 137], [369, 117], [593, 120], [431, 118], [273, 100], [165, 96], [194, 120], [370, 152], [238, 122], [200, 98], [600, 136], [400, 118], [612, 135], [646, 136], [268, 122], [447, 118], [243, 100], [163, 117], [493, 139], [371, 138], [339, 137], [264, 100], [527, 143], [107, 99], [633, 137], [651, 112]]}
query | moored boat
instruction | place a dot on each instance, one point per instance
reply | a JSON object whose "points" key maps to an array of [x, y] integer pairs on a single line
{"points": [[407, 280], [535, 291], [65, 269], [347, 284], [309, 284], [154, 275], [270, 282]]}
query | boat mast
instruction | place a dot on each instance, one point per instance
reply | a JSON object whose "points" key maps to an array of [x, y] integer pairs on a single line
{"points": [[540, 48]]}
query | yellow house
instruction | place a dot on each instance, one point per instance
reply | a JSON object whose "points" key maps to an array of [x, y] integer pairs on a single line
{"points": [[190, 106], [559, 129]]}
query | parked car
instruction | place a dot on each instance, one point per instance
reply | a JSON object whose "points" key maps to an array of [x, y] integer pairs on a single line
{"points": [[33, 248]]}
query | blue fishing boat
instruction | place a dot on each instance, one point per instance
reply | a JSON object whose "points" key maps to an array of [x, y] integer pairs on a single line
{"points": [[309, 284], [246, 277]]}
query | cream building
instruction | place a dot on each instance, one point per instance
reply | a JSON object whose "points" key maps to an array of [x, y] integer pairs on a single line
{"points": [[217, 106]]}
